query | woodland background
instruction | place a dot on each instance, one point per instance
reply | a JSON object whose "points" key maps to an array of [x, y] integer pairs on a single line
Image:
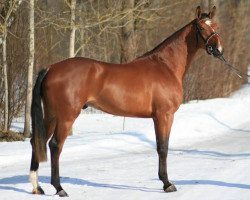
{"points": [[114, 31]]}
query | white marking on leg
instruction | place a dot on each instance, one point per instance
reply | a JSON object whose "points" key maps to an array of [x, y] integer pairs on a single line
{"points": [[34, 179]]}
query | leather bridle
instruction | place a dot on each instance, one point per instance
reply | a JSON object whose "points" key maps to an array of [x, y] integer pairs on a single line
{"points": [[209, 48]]}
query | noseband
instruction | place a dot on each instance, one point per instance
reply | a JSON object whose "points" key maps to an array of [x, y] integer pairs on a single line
{"points": [[205, 41]]}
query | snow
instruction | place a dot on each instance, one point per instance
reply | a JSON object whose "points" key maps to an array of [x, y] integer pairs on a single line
{"points": [[208, 159]]}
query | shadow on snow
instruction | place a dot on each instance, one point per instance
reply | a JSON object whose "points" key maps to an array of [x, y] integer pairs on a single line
{"points": [[211, 182], [76, 181], [210, 153], [211, 115]]}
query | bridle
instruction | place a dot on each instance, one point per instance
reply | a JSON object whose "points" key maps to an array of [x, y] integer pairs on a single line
{"points": [[209, 48], [210, 51]]}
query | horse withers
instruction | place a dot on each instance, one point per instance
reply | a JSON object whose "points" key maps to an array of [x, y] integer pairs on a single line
{"points": [[148, 87]]}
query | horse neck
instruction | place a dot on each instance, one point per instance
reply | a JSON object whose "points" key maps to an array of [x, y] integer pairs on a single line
{"points": [[177, 52]]}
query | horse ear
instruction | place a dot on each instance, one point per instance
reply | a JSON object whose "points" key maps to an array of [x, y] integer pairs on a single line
{"points": [[212, 13], [198, 12]]}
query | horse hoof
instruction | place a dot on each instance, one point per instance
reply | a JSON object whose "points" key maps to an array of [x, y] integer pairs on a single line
{"points": [[62, 193], [38, 190], [170, 188]]}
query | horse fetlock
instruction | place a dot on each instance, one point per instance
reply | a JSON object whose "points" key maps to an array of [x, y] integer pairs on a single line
{"points": [[164, 178], [56, 184]]}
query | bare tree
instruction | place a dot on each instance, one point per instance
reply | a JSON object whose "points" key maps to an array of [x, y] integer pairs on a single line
{"points": [[6, 92], [30, 70], [72, 6], [7, 18]]}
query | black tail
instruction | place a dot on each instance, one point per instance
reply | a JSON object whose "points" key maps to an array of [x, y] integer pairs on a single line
{"points": [[38, 140]]}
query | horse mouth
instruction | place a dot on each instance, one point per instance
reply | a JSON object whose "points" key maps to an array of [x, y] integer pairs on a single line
{"points": [[214, 51], [218, 53]]}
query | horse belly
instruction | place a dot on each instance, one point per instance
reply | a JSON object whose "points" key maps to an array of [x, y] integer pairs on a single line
{"points": [[123, 102]]}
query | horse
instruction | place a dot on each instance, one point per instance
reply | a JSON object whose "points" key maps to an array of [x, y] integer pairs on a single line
{"points": [[148, 87]]}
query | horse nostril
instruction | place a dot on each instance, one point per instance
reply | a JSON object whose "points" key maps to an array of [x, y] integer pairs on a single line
{"points": [[211, 50]]}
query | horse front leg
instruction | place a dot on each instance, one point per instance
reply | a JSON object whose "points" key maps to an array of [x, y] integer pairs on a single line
{"points": [[163, 123]]}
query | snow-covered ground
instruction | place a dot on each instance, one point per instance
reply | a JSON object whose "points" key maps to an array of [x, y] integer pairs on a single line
{"points": [[209, 156]]}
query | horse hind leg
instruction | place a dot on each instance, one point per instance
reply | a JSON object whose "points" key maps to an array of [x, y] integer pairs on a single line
{"points": [[50, 128], [34, 175], [56, 144]]}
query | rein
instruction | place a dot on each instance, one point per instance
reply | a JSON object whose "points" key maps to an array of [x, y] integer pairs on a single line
{"points": [[236, 71]]}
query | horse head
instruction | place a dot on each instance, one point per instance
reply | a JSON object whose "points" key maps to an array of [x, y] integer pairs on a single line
{"points": [[207, 36]]}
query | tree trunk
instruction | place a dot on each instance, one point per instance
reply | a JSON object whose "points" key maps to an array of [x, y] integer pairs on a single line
{"points": [[72, 36], [5, 76], [205, 5], [30, 72], [73, 29], [128, 45], [7, 17], [1, 126], [83, 33]]}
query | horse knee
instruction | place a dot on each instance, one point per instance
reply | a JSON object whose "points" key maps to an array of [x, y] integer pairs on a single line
{"points": [[162, 149]]}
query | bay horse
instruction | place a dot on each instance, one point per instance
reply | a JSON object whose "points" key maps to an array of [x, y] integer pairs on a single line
{"points": [[148, 87]]}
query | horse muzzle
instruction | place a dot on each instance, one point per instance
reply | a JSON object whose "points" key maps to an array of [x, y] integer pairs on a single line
{"points": [[214, 51]]}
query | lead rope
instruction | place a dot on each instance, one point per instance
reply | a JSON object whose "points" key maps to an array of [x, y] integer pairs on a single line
{"points": [[235, 70]]}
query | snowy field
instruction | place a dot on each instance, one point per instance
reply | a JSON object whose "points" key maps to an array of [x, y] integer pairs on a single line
{"points": [[209, 157]]}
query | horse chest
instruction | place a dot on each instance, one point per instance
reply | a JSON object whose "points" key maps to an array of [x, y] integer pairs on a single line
{"points": [[168, 95]]}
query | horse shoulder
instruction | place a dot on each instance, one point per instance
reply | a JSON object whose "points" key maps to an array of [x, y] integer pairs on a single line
{"points": [[167, 93]]}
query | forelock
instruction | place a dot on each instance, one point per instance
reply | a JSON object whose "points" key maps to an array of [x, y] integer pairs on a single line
{"points": [[204, 16]]}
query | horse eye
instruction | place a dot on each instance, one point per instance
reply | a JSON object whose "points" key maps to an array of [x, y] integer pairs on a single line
{"points": [[201, 28]]}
